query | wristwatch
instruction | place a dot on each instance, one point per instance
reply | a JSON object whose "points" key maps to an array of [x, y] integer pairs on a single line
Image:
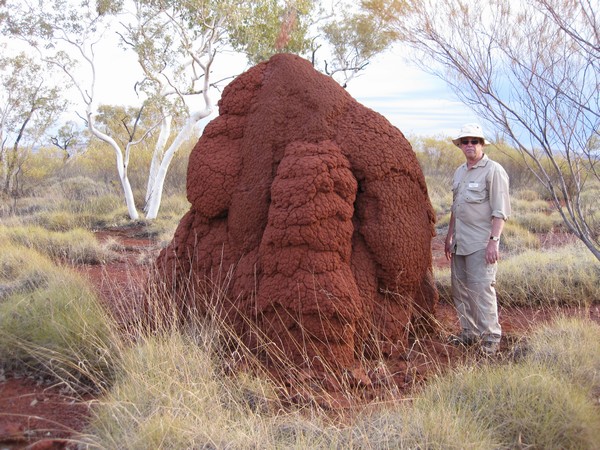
{"points": [[494, 238]]}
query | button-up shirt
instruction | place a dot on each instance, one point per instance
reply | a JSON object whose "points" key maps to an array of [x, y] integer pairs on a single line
{"points": [[479, 194]]}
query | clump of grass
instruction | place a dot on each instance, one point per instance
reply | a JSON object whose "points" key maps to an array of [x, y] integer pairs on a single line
{"points": [[559, 276], [554, 277], [58, 330], [528, 195], [76, 246], [22, 270], [171, 394], [516, 238], [519, 405], [570, 348], [63, 218], [522, 205], [402, 425], [539, 222]]}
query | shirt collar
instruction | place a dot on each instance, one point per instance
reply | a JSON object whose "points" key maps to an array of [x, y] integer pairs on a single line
{"points": [[481, 163]]}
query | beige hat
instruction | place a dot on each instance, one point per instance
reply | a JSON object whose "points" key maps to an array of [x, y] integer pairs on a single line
{"points": [[470, 130]]}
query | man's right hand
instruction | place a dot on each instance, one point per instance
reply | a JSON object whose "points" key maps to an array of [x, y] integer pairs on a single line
{"points": [[448, 247]]}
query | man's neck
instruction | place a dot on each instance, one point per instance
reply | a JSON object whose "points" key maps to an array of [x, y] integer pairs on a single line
{"points": [[471, 163]]}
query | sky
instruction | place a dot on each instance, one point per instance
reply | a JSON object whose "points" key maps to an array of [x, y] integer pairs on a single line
{"points": [[417, 103], [413, 100]]}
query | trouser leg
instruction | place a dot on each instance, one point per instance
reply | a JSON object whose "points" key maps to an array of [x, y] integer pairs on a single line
{"points": [[475, 297], [460, 295]]}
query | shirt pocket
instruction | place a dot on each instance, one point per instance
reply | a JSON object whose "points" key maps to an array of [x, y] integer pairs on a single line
{"points": [[476, 193]]}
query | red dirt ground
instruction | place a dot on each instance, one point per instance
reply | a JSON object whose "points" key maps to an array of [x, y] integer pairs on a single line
{"points": [[34, 415]]}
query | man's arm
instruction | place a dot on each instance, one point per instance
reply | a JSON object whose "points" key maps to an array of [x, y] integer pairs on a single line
{"points": [[492, 252], [449, 243]]}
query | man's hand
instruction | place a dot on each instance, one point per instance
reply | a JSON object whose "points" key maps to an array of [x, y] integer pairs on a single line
{"points": [[492, 252], [448, 247]]}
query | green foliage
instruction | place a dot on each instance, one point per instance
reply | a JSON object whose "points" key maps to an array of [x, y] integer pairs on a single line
{"points": [[76, 246], [59, 329], [519, 405], [269, 27], [566, 275], [570, 348]]}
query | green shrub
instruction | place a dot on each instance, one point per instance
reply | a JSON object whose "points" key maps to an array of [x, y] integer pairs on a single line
{"points": [[59, 330], [76, 246], [520, 405], [559, 276], [570, 348]]}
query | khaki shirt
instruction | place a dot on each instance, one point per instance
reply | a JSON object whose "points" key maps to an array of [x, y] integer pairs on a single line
{"points": [[479, 193]]}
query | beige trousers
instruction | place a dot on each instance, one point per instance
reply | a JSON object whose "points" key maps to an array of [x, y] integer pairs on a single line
{"points": [[474, 295]]}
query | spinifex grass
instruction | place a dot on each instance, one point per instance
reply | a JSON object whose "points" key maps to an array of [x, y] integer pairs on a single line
{"points": [[77, 246], [562, 276], [59, 330], [519, 405], [570, 348]]}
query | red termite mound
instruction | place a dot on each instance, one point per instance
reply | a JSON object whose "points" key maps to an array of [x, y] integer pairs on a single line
{"points": [[310, 222]]}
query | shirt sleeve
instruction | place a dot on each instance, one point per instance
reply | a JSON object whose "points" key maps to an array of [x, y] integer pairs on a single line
{"points": [[499, 193]]}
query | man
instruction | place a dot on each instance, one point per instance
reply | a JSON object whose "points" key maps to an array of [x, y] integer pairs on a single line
{"points": [[481, 205]]}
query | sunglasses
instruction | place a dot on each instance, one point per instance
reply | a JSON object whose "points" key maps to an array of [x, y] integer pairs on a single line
{"points": [[472, 141]]}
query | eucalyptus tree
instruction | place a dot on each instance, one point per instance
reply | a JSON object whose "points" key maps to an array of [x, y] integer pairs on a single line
{"points": [[65, 34], [177, 44], [29, 104], [339, 37], [531, 69]]}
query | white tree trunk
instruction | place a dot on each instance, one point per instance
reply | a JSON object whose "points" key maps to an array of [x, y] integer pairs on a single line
{"points": [[188, 131], [157, 156], [121, 168]]}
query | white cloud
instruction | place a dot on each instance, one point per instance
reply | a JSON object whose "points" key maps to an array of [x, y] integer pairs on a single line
{"points": [[416, 102]]}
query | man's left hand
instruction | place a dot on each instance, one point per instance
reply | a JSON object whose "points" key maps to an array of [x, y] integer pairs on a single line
{"points": [[492, 252]]}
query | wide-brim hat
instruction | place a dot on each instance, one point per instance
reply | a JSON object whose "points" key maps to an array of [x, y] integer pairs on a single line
{"points": [[470, 130]]}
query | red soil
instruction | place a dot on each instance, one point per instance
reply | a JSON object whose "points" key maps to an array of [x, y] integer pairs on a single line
{"points": [[35, 415]]}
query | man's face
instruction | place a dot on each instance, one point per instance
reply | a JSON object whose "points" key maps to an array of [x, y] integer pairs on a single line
{"points": [[472, 147]]}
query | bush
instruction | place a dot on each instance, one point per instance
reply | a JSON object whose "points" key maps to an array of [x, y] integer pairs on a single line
{"points": [[59, 330], [76, 246], [569, 348], [519, 405]]}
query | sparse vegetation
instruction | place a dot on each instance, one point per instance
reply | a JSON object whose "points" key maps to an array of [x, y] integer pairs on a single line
{"points": [[76, 246], [55, 326], [181, 387], [546, 278]]}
